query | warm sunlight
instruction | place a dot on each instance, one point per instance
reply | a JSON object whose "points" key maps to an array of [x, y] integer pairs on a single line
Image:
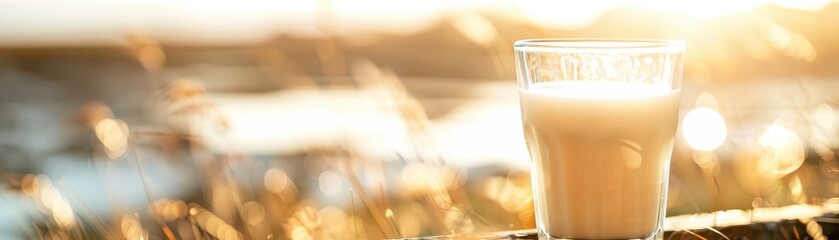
{"points": [[704, 129]]}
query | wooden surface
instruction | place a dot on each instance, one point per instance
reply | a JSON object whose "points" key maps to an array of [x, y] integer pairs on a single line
{"points": [[785, 229]]}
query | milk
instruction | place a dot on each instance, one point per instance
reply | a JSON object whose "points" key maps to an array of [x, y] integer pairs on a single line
{"points": [[600, 153]]}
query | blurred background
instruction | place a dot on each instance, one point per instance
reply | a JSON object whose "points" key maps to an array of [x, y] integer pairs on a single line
{"points": [[378, 119]]}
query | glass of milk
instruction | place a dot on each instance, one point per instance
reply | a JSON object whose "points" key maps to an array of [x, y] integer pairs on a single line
{"points": [[599, 121]]}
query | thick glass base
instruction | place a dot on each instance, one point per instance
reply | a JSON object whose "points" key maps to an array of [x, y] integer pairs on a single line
{"points": [[659, 235]]}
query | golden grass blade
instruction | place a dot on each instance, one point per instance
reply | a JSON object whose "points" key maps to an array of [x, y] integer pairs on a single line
{"points": [[689, 232], [165, 228], [368, 201], [718, 232], [354, 223], [85, 212]]}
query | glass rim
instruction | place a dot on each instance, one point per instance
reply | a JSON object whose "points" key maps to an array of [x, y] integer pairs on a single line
{"points": [[616, 45]]}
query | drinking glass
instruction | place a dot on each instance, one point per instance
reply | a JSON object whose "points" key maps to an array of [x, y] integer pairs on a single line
{"points": [[599, 120]]}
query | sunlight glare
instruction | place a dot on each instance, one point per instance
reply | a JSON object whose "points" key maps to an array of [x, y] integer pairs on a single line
{"points": [[783, 150], [336, 219], [807, 5], [132, 229], [476, 28], [276, 181], [702, 9], [253, 212], [791, 44], [113, 134], [708, 161], [824, 116], [706, 99], [30, 185], [409, 225], [330, 182], [63, 213], [559, 14], [704, 129], [796, 189]]}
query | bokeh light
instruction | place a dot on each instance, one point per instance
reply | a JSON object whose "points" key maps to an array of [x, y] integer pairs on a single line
{"points": [[50, 196], [704, 129], [95, 111], [476, 28], [747, 163], [796, 189], [30, 184], [303, 223], [410, 224], [335, 219], [510, 192], [708, 161], [113, 134], [63, 213], [214, 225], [254, 213], [783, 151], [147, 51], [132, 229], [790, 43], [458, 221], [169, 209], [824, 116], [330, 182], [706, 99], [277, 182]]}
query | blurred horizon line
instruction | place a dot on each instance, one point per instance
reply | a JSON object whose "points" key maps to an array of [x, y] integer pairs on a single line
{"points": [[188, 23]]}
